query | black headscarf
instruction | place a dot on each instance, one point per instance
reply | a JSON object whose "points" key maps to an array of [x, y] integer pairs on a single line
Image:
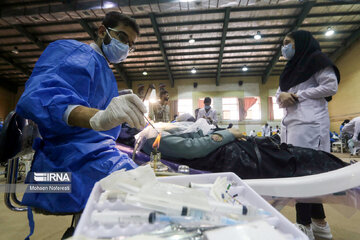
{"points": [[308, 60]]}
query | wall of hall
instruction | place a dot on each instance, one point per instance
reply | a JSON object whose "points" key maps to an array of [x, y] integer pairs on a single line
{"points": [[228, 87], [7, 102], [346, 102]]}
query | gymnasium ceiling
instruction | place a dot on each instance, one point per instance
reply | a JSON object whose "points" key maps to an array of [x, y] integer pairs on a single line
{"points": [[223, 31]]}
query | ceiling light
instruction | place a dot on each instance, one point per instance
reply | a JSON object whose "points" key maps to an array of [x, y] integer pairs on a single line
{"points": [[257, 36], [193, 70], [244, 69], [329, 32], [144, 73], [109, 5], [15, 50], [191, 40]]}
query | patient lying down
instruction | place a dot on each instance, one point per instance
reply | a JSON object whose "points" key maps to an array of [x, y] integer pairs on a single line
{"points": [[198, 146]]}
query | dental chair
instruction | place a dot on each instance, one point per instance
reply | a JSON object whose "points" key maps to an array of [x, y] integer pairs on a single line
{"points": [[16, 140]]}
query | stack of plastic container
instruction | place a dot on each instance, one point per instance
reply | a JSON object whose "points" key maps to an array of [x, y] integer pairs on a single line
{"points": [[90, 228]]}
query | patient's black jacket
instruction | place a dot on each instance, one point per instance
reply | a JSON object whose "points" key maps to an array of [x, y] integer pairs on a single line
{"points": [[264, 157]]}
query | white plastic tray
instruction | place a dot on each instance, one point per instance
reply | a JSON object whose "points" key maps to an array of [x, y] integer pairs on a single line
{"points": [[249, 196]]}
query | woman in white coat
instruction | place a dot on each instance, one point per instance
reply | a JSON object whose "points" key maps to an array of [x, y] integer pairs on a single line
{"points": [[306, 85]]}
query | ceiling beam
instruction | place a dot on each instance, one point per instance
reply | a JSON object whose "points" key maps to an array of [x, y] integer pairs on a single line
{"points": [[195, 64], [242, 9], [218, 30], [30, 36], [207, 11], [304, 12], [185, 40], [33, 39], [29, 4], [252, 19], [335, 45], [143, 60], [123, 74], [333, 14], [21, 10], [254, 28], [120, 69], [222, 46], [221, 21], [355, 36], [16, 65], [162, 48], [8, 85], [88, 29], [192, 59], [324, 24], [336, 3]]}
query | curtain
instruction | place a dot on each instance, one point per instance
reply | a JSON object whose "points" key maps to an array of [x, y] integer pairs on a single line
{"points": [[173, 109], [270, 109], [244, 105]]}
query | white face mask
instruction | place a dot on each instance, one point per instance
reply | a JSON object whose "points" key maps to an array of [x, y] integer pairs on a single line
{"points": [[287, 51], [115, 51]]}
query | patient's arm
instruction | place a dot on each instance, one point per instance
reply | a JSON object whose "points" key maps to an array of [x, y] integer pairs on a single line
{"points": [[190, 145]]}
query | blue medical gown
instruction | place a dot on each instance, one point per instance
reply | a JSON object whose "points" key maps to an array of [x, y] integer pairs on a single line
{"points": [[70, 73]]}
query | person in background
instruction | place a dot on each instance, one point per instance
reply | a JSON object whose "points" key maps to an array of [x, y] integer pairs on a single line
{"points": [[346, 137], [160, 111], [277, 129], [252, 133], [307, 83], [353, 128], [265, 130], [271, 131], [208, 113], [174, 118], [343, 124]]}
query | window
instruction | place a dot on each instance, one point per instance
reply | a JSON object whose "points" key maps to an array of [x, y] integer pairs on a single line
{"points": [[230, 109], [278, 112], [254, 112], [201, 103], [185, 106]]}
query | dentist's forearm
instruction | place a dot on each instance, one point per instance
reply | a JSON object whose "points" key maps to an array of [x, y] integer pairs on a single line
{"points": [[80, 116]]}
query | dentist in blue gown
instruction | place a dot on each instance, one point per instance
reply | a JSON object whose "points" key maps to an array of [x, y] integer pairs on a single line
{"points": [[72, 95]]}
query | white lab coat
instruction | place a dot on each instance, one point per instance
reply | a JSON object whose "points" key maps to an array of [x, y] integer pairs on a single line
{"points": [[211, 113], [266, 131], [353, 127], [307, 123], [252, 133]]}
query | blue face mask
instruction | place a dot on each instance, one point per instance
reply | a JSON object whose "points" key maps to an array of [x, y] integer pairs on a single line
{"points": [[115, 51], [207, 107], [288, 52]]}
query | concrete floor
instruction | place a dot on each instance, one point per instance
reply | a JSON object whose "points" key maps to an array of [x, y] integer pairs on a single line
{"points": [[14, 225]]}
